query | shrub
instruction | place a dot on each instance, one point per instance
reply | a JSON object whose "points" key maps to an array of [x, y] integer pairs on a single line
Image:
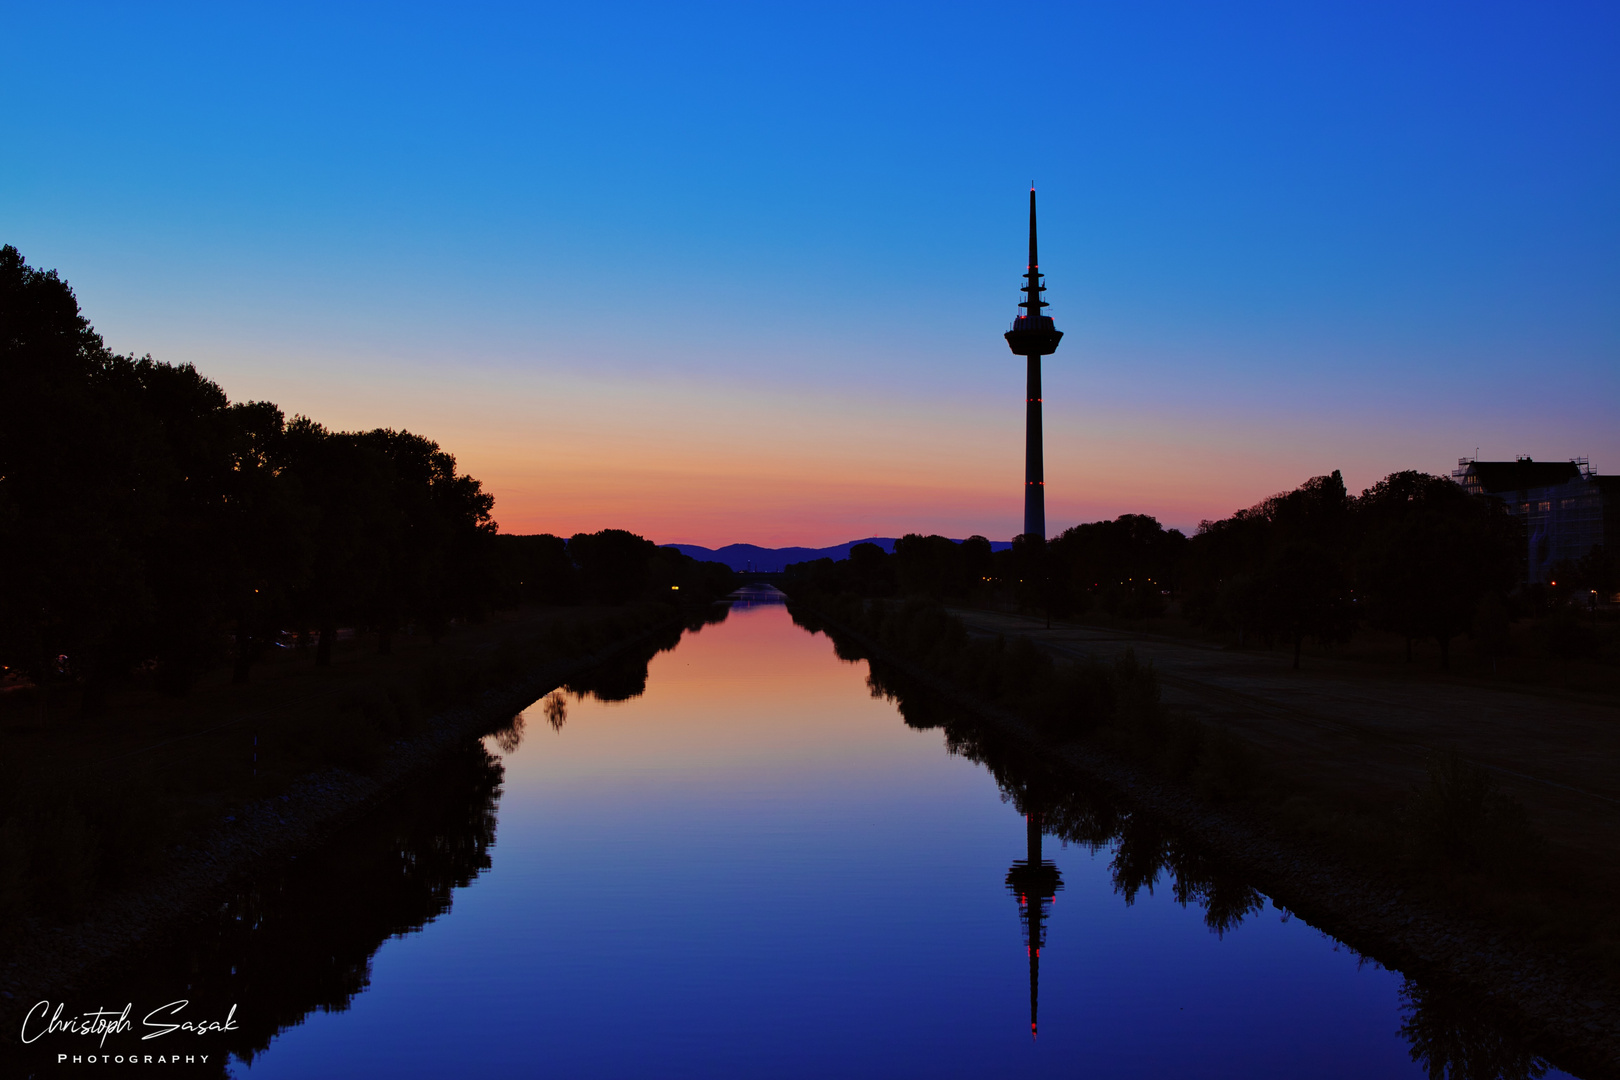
{"points": [[13, 873], [1461, 820], [1568, 636], [1227, 770]]}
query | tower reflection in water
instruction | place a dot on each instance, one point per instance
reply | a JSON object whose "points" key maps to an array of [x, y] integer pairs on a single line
{"points": [[1450, 1033], [1036, 883]]}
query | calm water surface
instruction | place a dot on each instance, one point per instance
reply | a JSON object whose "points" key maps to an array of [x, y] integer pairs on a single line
{"points": [[758, 868]]}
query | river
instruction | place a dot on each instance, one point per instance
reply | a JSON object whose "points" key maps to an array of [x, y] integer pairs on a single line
{"points": [[754, 864]]}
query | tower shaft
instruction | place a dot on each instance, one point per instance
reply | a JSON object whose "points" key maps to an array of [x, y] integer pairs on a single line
{"points": [[1034, 465]]}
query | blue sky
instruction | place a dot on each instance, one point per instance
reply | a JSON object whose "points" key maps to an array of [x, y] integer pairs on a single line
{"points": [[727, 273]]}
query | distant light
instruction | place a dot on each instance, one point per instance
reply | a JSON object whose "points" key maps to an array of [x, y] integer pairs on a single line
{"points": [[674, 586]]}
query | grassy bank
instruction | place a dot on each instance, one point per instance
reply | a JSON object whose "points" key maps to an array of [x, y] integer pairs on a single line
{"points": [[1563, 650]]}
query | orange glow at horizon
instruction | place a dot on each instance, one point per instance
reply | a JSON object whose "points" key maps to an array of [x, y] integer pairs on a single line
{"points": [[702, 711], [689, 461]]}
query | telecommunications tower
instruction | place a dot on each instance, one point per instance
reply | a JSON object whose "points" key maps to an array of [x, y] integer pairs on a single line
{"points": [[1033, 336]]}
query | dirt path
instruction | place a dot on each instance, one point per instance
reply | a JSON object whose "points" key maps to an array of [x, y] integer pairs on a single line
{"points": [[1367, 735]]}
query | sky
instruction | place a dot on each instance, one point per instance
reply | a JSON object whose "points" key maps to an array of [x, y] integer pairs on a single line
{"points": [[739, 273]]}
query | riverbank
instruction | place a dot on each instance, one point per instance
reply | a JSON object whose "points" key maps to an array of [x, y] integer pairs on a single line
{"points": [[1566, 1007], [1366, 732], [50, 959]]}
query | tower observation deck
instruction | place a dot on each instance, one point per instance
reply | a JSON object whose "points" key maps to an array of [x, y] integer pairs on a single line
{"points": [[1033, 336]]}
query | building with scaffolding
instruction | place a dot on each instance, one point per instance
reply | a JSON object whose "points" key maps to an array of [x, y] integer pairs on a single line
{"points": [[1566, 508]]}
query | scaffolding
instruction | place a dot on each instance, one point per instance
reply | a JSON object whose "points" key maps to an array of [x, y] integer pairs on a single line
{"points": [[1563, 519]]}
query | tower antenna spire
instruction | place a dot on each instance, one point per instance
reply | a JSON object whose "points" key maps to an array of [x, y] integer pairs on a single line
{"points": [[1034, 253], [1033, 336]]}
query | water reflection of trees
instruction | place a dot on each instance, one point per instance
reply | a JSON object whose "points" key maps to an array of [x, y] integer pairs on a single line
{"points": [[300, 937], [1449, 1035], [620, 678], [555, 706], [1450, 1039], [1146, 850], [624, 676], [753, 596]]}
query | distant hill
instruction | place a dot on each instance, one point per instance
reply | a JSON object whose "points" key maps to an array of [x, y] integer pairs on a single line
{"points": [[742, 557]]}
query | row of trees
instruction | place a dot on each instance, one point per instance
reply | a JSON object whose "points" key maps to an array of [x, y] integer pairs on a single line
{"points": [[608, 567], [144, 516], [147, 521], [1121, 566], [1415, 554]]}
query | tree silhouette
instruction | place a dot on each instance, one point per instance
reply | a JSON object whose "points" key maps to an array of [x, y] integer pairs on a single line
{"points": [[79, 498], [938, 567], [1125, 565], [349, 485], [535, 570], [871, 570], [613, 564], [148, 521], [1039, 582], [1430, 553], [1281, 567]]}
